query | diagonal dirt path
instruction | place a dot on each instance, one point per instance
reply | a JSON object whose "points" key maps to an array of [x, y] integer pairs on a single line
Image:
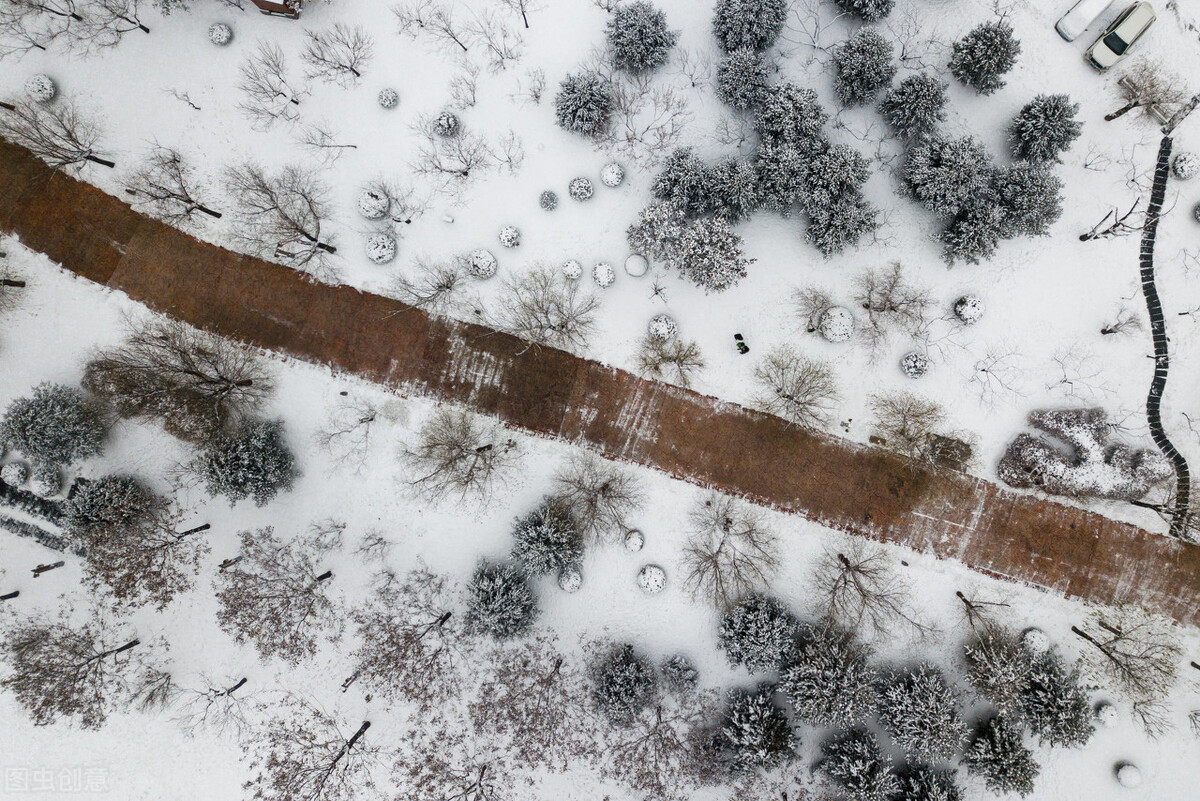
{"points": [[861, 490]]}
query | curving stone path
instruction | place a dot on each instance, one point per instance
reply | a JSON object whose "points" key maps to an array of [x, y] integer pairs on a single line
{"points": [[861, 490]]}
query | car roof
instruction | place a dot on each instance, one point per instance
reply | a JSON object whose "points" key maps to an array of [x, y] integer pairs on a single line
{"points": [[1140, 16]]}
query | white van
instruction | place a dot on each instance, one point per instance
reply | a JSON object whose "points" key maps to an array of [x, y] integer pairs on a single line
{"points": [[1081, 15]]}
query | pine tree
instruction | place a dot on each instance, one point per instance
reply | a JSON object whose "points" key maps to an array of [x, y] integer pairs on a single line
{"points": [[867, 10], [755, 732], [253, 462], [1054, 705], [1031, 196], [923, 783], [837, 226], [1045, 128], [946, 175], [584, 104], [922, 712], [974, 233], [623, 684], [760, 633], [791, 115], [998, 667], [862, 66], [679, 674], [916, 105], [658, 231], [638, 37], [743, 79], [829, 680], [782, 172], [547, 539], [834, 175], [733, 189], [53, 425], [997, 754], [111, 506], [500, 601], [710, 255], [854, 761], [753, 24], [684, 181], [985, 54]]}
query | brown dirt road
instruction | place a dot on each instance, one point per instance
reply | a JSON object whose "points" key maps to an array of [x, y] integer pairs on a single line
{"points": [[861, 490]]}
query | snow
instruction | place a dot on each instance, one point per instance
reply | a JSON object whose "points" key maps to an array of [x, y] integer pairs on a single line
{"points": [[636, 265]]}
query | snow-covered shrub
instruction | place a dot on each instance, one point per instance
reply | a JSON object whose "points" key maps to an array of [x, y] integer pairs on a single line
{"points": [[581, 188], [1129, 775], [604, 275], [636, 265], [584, 104], [679, 674], [623, 683], [47, 481], [1054, 704], [742, 79], [15, 474], [997, 754], [829, 680], [924, 783], [831, 194], [710, 255], [1196, 212], [547, 539], [1045, 128], [867, 10], [658, 231], [1092, 468], [914, 364], [509, 236], [548, 200], [570, 578], [732, 189], [634, 540], [1185, 165], [922, 712], [838, 225], [373, 203], [572, 269], [652, 579], [381, 248], [447, 124], [41, 88], [253, 462], [855, 763], [1035, 640], [862, 66], [755, 732], [112, 505], [220, 34], [974, 233], [969, 309], [500, 601], [1106, 715], [387, 97], [1030, 196], [915, 105], [753, 24], [612, 174], [946, 175], [836, 325], [759, 632], [683, 181], [638, 37], [55, 424], [984, 55], [792, 115], [662, 328], [481, 264]]}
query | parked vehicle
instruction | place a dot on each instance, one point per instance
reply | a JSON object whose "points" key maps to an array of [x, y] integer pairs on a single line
{"points": [[1081, 15], [1124, 31]]}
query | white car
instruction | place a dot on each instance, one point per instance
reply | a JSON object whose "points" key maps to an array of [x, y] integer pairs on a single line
{"points": [[1126, 29], [1081, 15]]}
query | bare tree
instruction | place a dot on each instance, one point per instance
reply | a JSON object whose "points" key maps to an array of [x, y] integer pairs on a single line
{"points": [[501, 43], [1136, 651], [892, 304], [346, 434], [510, 152], [464, 84], [436, 287], [533, 87], [1125, 321], [1079, 373], [306, 753], [196, 383], [600, 494], [980, 612], [320, 139], [1153, 716], [675, 361], [375, 546], [105, 23], [165, 187], [35, 24], [410, 643], [443, 758], [1149, 85], [275, 598], [459, 454], [731, 551], [858, 587], [282, 215], [268, 96], [997, 373], [917, 43], [435, 22], [1116, 224], [545, 309], [338, 55], [811, 305], [795, 387], [217, 706], [906, 421], [522, 7], [452, 161], [57, 134], [656, 754], [648, 118], [83, 672], [808, 26], [695, 66]]}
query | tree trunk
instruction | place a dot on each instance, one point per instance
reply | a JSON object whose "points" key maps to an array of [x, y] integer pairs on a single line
{"points": [[12, 282], [328, 574], [9, 596], [98, 160], [196, 530], [1123, 110], [234, 688], [208, 211]]}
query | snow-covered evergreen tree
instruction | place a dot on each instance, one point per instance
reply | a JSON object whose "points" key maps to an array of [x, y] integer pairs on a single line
{"points": [[946, 175], [623, 683], [1054, 705], [829, 680], [854, 762], [733, 189], [638, 37], [547, 539], [684, 181], [54, 424], [500, 601], [998, 667], [710, 255], [1031, 196], [759, 632], [753, 24], [742, 79], [658, 231], [110, 506], [974, 233], [867, 10], [679, 674], [832, 176], [922, 712], [984, 55], [862, 66], [782, 169], [755, 732], [997, 753], [792, 115], [915, 105], [923, 783], [837, 226], [1045, 128], [584, 104], [253, 462]]}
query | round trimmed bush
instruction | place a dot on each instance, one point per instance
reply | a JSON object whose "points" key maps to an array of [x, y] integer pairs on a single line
{"points": [[482, 264], [914, 364], [634, 540], [638, 37], [581, 189], [447, 124], [652, 579], [15, 474], [612, 175], [388, 97], [572, 269], [47, 481], [570, 578], [220, 34], [1185, 166], [636, 265], [381, 248], [1106, 715], [373, 204], [836, 325], [584, 104], [548, 200], [969, 309], [604, 275], [1129, 775], [509, 236], [662, 328], [41, 88], [1035, 641]]}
